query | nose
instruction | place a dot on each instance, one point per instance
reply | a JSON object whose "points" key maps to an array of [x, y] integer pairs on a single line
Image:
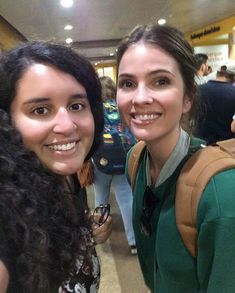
{"points": [[63, 122], [142, 95]]}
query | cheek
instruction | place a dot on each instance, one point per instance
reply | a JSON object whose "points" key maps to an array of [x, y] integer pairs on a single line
{"points": [[174, 101], [123, 104], [89, 134], [119, 101], [33, 134], [87, 126], [121, 96], [91, 131], [33, 139]]}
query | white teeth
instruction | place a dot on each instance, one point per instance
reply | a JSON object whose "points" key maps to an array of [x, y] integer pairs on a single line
{"points": [[145, 117], [62, 147]]}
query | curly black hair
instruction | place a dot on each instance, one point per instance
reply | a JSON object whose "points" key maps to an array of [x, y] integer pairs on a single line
{"points": [[40, 218]]}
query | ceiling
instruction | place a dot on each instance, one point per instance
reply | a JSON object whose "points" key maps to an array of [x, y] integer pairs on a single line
{"points": [[98, 25]]}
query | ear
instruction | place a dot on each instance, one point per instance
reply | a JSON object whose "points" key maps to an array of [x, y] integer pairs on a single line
{"points": [[187, 104], [204, 69]]}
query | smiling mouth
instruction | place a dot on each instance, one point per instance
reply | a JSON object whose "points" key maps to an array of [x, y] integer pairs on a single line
{"points": [[146, 117], [62, 147]]}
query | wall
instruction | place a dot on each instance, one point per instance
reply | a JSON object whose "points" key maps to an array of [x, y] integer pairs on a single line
{"points": [[9, 36], [217, 40], [212, 33], [108, 69]]}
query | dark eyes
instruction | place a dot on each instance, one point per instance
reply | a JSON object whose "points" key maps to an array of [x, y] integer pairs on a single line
{"points": [[126, 84], [76, 107], [46, 110], [40, 111], [162, 81], [155, 82]]}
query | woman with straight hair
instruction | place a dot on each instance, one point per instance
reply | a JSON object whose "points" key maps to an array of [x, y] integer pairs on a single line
{"points": [[155, 92]]}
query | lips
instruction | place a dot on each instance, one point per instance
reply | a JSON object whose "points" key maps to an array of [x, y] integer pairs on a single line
{"points": [[62, 147]]}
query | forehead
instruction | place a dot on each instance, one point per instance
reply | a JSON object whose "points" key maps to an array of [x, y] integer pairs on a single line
{"points": [[144, 56], [44, 77], [42, 71]]}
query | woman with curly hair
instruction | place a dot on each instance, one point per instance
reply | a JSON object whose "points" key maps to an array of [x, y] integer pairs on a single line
{"points": [[51, 120]]}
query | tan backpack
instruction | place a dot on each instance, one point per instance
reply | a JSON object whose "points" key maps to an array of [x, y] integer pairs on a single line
{"points": [[193, 178]]}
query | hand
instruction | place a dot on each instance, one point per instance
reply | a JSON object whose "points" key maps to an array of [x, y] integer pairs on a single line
{"points": [[4, 278], [102, 233], [233, 124]]}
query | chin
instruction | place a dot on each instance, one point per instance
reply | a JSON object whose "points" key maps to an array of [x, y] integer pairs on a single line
{"points": [[142, 135], [65, 170]]}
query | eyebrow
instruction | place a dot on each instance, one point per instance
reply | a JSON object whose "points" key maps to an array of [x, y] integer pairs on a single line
{"points": [[79, 96], [36, 100], [161, 71], [127, 75]]}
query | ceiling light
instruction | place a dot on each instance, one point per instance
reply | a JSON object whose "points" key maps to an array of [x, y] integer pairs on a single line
{"points": [[69, 41], [68, 27], [111, 54], [161, 21], [66, 3]]}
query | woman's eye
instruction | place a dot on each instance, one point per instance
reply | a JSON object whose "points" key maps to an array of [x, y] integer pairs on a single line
{"points": [[126, 84], [76, 107], [162, 81], [41, 111]]}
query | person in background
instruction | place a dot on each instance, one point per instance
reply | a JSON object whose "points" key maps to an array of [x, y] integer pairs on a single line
{"points": [[155, 88], [51, 121], [209, 70], [110, 159], [202, 68], [217, 100], [223, 68]]}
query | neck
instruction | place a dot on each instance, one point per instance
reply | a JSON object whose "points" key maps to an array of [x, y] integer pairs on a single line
{"points": [[160, 150], [222, 79]]}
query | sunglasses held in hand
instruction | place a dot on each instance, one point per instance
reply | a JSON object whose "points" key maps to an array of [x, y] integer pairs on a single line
{"points": [[101, 214]]}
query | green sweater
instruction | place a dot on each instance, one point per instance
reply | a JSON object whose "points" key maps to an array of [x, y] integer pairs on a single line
{"points": [[166, 264]]}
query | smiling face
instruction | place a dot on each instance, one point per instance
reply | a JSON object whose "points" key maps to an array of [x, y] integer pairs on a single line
{"points": [[52, 112], [151, 94]]}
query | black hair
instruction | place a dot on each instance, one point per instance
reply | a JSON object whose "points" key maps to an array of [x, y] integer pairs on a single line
{"points": [[201, 58], [41, 220], [223, 68], [14, 63], [171, 40]]}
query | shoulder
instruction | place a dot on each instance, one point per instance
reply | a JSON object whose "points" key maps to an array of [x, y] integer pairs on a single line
{"points": [[218, 200], [136, 160], [4, 278], [223, 185], [137, 153]]}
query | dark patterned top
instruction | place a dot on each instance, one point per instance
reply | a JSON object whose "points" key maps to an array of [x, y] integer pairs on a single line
{"points": [[85, 276]]}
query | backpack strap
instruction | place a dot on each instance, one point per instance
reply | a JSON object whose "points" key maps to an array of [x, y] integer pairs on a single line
{"points": [[194, 177], [227, 146], [133, 161]]}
